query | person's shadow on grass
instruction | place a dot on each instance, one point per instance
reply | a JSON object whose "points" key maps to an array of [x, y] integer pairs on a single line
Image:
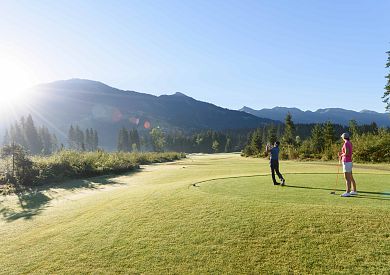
{"points": [[361, 195]]}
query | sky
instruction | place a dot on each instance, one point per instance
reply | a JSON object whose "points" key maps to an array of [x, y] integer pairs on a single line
{"points": [[260, 54]]}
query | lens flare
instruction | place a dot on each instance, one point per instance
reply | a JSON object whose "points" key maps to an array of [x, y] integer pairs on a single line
{"points": [[116, 115], [147, 125], [134, 120]]}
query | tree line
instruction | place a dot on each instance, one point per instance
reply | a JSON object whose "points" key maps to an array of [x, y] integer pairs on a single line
{"points": [[39, 141], [79, 140], [321, 142], [128, 140], [36, 140]]}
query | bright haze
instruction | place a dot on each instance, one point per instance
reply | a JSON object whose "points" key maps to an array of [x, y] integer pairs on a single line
{"points": [[261, 54]]}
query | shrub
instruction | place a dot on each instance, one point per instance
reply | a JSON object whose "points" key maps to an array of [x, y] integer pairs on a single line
{"points": [[372, 147], [73, 164]]}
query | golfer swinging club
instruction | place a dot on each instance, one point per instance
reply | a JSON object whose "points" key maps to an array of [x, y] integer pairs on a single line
{"points": [[274, 162], [346, 158]]}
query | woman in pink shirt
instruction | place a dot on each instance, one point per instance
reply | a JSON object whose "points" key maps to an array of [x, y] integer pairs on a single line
{"points": [[346, 158]]}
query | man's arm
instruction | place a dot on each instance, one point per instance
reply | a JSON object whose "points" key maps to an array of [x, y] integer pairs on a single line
{"points": [[267, 148]]}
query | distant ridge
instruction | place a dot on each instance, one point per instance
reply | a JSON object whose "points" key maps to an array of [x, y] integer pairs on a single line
{"points": [[335, 115], [94, 104]]}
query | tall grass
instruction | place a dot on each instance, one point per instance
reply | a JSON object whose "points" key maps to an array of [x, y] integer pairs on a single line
{"points": [[73, 164]]}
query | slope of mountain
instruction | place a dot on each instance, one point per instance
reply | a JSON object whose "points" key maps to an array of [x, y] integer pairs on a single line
{"points": [[335, 115], [93, 104]]}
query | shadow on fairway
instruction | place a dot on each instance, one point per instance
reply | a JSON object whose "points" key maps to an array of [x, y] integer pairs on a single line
{"points": [[33, 201], [362, 194], [224, 178]]}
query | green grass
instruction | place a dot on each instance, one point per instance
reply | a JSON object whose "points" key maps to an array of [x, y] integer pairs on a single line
{"points": [[234, 221]]}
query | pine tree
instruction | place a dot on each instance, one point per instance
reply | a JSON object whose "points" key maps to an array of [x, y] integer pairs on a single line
{"points": [[374, 128], [278, 131], [7, 138], [289, 130], [72, 138], [328, 134], [353, 128], [95, 140], [134, 139], [88, 140], [215, 146], [17, 135], [46, 140], [131, 140], [264, 136], [123, 140], [386, 94], [33, 141], [158, 140], [79, 139], [228, 146], [256, 143], [54, 143], [317, 139], [272, 138]]}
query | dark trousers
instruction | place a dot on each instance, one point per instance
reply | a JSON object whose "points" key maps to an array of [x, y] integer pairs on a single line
{"points": [[274, 163]]}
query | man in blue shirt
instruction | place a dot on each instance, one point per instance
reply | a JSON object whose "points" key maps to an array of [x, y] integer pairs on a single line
{"points": [[274, 162]]}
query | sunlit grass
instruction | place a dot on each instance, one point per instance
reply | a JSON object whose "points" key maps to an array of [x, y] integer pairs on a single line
{"points": [[233, 221]]}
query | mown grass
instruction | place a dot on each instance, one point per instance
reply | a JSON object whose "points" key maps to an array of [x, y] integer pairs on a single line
{"points": [[232, 221]]}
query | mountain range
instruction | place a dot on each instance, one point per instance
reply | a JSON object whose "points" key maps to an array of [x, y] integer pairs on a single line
{"points": [[92, 104], [335, 115]]}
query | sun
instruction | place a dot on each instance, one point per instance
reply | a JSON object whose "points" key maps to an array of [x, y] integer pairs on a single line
{"points": [[15, 79]]}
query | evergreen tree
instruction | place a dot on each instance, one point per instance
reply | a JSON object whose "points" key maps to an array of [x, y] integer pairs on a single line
{"points": [[120, 140], [7, 138], [289, 130], [374, 128], [72, 138], [353, 128], [54, 143], [158, 139], [17, 135], [46, 140], [95, 140], [215, 146], [256, 143], [33, 141], [272, 138], [386, 94], [317, 139], [88, 140], [278, 131], [134, 139], [23, 137], [131, 140], [298, 140], [123, 140], [228, 146], [328, 134], [79, 139], [264, 135], [248, 151]]}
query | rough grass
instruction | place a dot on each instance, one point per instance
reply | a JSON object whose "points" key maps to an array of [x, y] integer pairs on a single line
{"points": [[232, 221], [67, 164]]}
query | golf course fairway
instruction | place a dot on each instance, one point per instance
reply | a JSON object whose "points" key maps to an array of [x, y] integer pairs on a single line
{"points": [[207, 214]]}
